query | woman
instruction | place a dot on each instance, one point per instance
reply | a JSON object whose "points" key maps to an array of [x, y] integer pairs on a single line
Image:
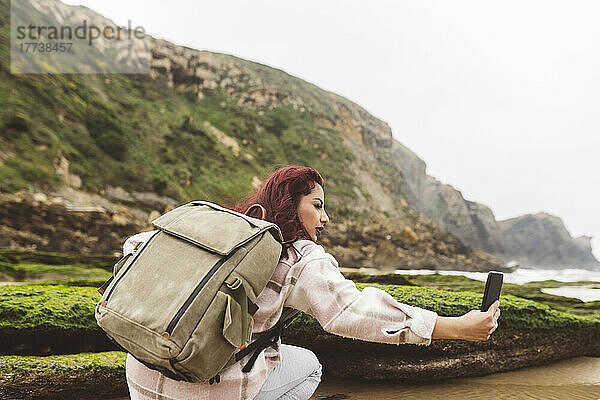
{"points": [[307, 279]]}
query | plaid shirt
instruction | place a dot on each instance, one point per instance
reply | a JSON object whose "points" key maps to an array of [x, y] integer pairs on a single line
{"points": [[308, 280]]}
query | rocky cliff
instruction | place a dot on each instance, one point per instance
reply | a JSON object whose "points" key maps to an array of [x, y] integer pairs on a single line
{"points": [[387, 172], [377, 179]]}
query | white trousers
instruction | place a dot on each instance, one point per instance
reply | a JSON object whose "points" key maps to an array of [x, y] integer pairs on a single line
{"points": [[296, 377]]}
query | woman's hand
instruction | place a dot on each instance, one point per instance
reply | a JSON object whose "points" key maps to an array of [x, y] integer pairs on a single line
{"points": [[474, 325], [477, 325]]}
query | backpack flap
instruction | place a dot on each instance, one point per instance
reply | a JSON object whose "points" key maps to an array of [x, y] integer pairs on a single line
{"points": [[212, 227]]}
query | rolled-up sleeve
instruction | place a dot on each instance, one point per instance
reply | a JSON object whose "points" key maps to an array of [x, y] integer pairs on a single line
{"points": [[371, 314]]}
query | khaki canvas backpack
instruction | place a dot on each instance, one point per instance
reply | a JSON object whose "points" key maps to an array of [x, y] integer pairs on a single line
{"points": [[182, 302]]}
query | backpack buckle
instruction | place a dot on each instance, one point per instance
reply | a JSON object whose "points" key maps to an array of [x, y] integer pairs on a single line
{"points": [[235, 284]]}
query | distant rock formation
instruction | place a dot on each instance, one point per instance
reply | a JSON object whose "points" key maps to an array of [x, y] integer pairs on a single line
{"points": [[543, 240], [539, 240]]}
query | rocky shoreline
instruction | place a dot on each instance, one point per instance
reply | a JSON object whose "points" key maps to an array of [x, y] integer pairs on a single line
{"points": [[530, 334], [49, 329], [102, 375]]}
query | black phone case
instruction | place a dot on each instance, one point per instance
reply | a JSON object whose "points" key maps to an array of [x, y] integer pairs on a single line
{"points": [[493, 286]]}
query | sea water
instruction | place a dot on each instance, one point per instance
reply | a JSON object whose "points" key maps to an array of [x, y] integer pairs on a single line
{"points": [[525, 275]]}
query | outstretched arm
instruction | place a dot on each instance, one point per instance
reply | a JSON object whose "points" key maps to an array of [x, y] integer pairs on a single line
{"points": [[371, 314]]}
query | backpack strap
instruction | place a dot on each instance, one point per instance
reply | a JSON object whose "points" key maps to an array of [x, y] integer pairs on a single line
{"points": [[266, 339], [117, 267], [262, 209], [102, 288]]}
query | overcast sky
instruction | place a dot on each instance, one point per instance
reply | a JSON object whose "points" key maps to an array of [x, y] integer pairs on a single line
{"points": [[501, 99]]}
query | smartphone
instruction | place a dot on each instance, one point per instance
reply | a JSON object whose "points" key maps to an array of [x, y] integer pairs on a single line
{"points": [[493, 285]]}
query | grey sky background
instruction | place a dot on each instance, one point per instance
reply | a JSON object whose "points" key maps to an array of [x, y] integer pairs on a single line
{"points": [[500, 99]]}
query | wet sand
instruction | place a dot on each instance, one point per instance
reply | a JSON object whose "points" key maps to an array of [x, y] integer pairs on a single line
{"points": [[576, 378]]}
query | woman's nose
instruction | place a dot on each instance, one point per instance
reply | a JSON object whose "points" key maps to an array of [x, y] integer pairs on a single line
{"points": [[324, 218]]}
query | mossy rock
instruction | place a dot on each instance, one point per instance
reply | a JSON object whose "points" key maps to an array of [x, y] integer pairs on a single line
{"points": [[39, 306], [61, 319], [37, 319], [38, 315], [347, 358], [73, 376]]}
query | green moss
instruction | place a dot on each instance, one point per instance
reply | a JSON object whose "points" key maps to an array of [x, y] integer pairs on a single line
{"points": [[57, 307], [76, 376], [550, 283], [82, 363], [72, 308]]}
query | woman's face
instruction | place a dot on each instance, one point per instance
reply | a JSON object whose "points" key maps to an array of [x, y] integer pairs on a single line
{"points": [[311, 211]]}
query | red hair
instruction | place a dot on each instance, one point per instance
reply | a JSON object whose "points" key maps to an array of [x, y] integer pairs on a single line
{"points": [[280, 195]]}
